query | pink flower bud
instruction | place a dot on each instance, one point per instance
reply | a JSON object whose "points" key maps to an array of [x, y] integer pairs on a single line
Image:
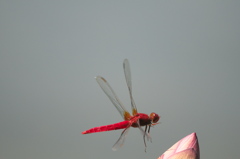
{"points": [[186, 148]]}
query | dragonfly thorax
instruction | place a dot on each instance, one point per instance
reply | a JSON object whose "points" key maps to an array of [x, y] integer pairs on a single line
{"points": [[142, 118]]}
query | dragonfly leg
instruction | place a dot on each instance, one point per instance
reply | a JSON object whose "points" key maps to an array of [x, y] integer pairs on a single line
{"points": [[144, 135], [149, 126]]}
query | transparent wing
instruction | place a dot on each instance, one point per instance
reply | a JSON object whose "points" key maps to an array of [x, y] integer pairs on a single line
{"points": [[145, 135], [127, 72], [121, 139], [107, 89]]}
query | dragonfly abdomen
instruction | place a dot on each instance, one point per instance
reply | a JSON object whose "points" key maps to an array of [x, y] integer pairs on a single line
{"points": [[116, 126]]}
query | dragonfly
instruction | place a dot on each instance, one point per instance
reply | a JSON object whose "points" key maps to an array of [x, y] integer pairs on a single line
{"points": [[136, 120]]}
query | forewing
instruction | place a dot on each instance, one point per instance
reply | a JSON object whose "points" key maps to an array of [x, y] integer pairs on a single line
{"points": [[107, 89], [127, 72], [121, 139], [145, 134]]}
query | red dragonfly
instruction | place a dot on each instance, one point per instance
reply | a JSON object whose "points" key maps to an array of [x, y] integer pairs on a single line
{"points": [[135, 120]]}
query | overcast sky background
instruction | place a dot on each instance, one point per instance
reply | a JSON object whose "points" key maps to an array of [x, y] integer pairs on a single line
{"points": [[184, 57]]}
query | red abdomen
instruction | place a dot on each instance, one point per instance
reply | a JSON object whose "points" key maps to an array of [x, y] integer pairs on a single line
{"points": [[116, 126]]}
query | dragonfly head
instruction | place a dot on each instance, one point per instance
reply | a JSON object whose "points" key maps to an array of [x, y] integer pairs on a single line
{"points": [[154, 117]]}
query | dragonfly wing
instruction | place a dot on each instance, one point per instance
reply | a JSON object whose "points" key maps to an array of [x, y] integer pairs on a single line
{"points": [[127, 72], [107, 89], [145, 134], [121, 139]]}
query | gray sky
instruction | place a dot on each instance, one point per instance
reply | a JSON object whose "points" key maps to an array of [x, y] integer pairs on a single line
{"points": [[184, 58]]}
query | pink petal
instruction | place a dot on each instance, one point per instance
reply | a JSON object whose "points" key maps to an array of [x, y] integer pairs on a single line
{"points": [[188, 146], [186, 154]]}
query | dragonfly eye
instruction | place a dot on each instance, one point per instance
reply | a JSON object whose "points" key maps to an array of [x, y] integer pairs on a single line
{"points": [[154, 117]]}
